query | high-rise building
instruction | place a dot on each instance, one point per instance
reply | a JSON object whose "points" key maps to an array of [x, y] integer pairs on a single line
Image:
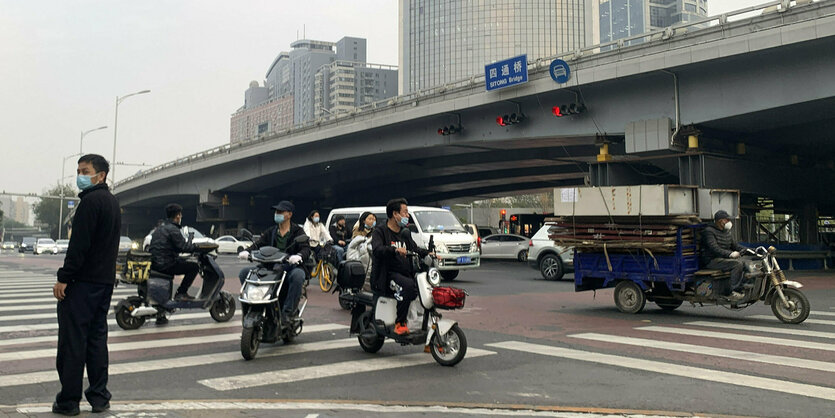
{"points": [[620, 19], [342, 86], [447, 40], [291, 82]]}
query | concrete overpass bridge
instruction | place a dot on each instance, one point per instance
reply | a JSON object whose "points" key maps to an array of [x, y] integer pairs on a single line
{"points": [[756, 92]]}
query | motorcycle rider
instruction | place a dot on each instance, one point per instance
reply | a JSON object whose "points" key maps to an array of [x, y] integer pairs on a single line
{"points": [[319, 235], [720, 251], [391, 269], [283, 236], [167, 243], [340, 233]]}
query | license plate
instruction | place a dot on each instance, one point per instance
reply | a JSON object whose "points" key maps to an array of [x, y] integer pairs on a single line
{"points": [[463, 260]]}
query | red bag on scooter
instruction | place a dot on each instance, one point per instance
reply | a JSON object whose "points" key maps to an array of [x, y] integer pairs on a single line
{"points": [[448, 297]]}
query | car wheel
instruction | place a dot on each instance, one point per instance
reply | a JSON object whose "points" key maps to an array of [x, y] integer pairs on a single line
{"points": [[550, 266], [522, 256], [449, 274]]}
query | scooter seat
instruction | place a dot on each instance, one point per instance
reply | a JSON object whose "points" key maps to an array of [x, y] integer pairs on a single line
{"points": [[158, 275]]}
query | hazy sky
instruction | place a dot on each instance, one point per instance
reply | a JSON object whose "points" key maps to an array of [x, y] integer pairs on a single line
{"points": [[62, 64]]}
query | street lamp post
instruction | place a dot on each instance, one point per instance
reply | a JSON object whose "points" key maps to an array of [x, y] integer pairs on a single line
{"points": [[61, 190], [83, 134], [115, 131]]}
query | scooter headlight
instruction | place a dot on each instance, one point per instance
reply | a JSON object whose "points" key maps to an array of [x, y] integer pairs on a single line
{"points": [[256, 292], [434, 277]]}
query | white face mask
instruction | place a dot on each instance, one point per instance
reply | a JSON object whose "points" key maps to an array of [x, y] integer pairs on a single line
{"points": [[728, 226]]}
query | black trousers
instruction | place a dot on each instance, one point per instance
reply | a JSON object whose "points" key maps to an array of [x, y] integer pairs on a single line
{"points": [[408, 292], [735, 265], [188, 269], [82, 341]]}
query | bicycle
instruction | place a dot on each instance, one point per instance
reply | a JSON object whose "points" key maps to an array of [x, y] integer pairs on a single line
{"points": [[324, 270]]}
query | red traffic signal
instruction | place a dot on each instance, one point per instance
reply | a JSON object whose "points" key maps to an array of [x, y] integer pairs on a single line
{"points": [[510, 119], [449, 130], [568, 109]]}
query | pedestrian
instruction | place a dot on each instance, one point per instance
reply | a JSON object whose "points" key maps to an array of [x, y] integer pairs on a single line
{"points": [[84, 289]]}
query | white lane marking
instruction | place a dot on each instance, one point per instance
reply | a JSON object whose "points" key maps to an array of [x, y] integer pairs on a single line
{"points": [[48, 291], [5, 282], [131, 333], [185, 361], [175, 341], [711, 351], [808, 321], [372, 409], [312, 416], [822, 313], [689, 372], [326, 370], [773, 330], [50, 306], [42, 300], [54, 325], [739, 337]]}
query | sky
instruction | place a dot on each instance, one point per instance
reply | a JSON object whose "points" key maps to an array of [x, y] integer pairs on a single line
{"points": [[63, 63]]}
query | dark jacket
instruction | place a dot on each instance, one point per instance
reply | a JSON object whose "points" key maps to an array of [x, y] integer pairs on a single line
{"points": [[167, 242], [94, 244], [717, 243], [340, 234], [268, 239], [385, 260]]}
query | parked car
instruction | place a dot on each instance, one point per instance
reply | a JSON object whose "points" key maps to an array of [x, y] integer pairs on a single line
{"points": [[125, 244], [486, 231], [230, 244], [62, 245], [45, 245], [456, 247], [9, 245], [509, 246], [198, 237], [28, 244], [545, 255]]}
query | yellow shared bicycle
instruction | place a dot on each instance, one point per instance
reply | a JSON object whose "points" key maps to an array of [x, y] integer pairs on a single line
{"points": [[324, 270]]}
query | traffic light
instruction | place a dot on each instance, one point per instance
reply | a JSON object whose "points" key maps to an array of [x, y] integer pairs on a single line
{"points": [[503, 213], [511, 119], [513, 218], [568, 109], [449, 130]]}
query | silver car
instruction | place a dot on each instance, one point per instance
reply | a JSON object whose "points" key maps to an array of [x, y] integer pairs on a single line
{"points": [[509, 246], [545, 255]]}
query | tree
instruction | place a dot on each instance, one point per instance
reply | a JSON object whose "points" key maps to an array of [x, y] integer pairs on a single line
{"points": [[47, 210]]}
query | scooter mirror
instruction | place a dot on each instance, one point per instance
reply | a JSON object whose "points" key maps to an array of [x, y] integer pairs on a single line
{"points": [[245, 234], [301, 239]]}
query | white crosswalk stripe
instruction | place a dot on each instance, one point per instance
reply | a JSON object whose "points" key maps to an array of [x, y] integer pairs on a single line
{"points": [[741, 337], [689, 372], [326, 370], [54, 325], [822, 313], [44, 307], [131, 333], [808, 321], [40, 293], [773, 330]]}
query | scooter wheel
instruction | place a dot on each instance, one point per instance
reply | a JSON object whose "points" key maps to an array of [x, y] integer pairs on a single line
{"points": [[125, 320], [250, 341], [800, 310], [224, 307], [368, 338], [451, 352]]}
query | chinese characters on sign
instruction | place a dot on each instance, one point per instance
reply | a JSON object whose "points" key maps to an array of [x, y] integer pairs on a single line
{"points": [[509, 72]]}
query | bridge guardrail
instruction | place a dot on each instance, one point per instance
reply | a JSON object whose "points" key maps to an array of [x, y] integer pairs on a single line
{"points": [[535, 66]]}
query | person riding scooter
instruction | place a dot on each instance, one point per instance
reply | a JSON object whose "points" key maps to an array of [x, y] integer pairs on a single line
{"points": [[720, 251], [283, 236], [167, 243], [390, 268]]}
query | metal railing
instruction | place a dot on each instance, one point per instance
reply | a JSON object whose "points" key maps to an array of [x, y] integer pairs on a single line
{"points": [[535, 66]]}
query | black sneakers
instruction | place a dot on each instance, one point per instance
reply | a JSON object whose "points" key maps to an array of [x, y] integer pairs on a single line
{"points": [[68, 412], [105, 407]]}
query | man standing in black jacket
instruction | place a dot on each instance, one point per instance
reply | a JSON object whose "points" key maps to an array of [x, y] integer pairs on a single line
{"points": [[167, 242], [720, 251], [84, 289]]}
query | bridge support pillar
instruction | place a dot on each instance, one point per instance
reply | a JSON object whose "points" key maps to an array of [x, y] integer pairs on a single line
{"points": [[807, 222]]}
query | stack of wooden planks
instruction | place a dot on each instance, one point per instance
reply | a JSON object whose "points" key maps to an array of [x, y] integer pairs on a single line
{"points": [[614, 234]]}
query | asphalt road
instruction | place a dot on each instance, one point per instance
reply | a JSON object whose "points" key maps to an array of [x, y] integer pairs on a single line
{"points": [[537, 348]]}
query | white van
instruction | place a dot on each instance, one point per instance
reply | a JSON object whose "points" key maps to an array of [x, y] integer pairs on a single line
{"points": [[457, 248]]}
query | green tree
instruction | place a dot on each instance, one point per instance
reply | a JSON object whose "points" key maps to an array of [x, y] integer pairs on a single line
{"points": [[47, 210]]}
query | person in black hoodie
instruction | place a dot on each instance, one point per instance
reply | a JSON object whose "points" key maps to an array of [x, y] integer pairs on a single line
{"points": [[720, 251], [84, 289], [167, 242], [283, 236], [390, 268]]}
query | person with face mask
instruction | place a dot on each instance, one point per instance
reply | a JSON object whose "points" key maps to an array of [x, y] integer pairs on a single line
{"points": [[720, 251], [319, 235], [360, 246], [283, 236], [167, 243], [391, 270], [84, 289]]}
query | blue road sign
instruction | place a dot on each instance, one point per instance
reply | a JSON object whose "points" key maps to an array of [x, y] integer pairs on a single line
{"points": [[509, 72], [560, 71], [445, 207], [70, 204]]}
